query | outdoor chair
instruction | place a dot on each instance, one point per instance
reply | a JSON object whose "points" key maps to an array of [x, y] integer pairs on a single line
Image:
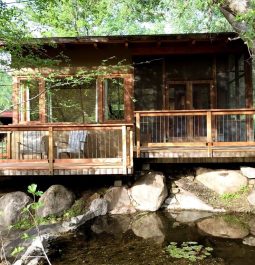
{"points": [[74, 145], [32, 144]]}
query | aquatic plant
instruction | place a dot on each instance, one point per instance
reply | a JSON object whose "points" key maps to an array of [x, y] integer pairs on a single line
{"points": [[191, 251]]}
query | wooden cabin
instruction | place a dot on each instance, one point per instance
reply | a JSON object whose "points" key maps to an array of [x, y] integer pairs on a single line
{"points": [[112, 101]]}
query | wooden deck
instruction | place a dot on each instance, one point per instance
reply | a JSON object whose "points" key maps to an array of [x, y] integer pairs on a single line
{"points": [[107, 149], [161, 137], [198, 152], [195, 134], [63, 168]]}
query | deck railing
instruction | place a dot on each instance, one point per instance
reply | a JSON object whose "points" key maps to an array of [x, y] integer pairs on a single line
{"points": [[97, 145], [200, 128]]}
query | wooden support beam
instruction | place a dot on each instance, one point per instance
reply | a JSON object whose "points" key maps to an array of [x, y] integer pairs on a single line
{"points": [[15, 100], [42, 101]]}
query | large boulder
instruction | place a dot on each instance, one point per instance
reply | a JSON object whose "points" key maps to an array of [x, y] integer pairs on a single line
{"points": [[99, 207], [248, 172], [251, 224], [149, 226], [149, 192], [112, 224], [250, 241], [223, 181], [119, 201], [251, 198], [11, 206], [189, 216], [186, 201], [55, 201], [223, 226]]}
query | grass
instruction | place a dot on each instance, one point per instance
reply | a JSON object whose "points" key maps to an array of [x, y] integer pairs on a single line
{"points": [[228, 197]]}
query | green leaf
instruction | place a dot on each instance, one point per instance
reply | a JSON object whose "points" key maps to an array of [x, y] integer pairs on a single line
{"points": [[32, 188], [17, 250], [25, 236]]}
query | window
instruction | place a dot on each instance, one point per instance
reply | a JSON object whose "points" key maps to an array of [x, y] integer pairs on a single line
{"points": [[29, 100], [68, 101], [113, 98], [230, 82]]}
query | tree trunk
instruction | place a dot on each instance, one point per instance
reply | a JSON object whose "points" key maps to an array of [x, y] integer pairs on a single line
{"points": [[230, 9]]}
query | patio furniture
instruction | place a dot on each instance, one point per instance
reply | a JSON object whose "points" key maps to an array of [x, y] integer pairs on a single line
{"points": [[31, 144], [74, 145]]}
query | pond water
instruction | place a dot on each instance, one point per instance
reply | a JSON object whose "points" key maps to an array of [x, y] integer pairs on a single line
{"points": [[142, 239]]}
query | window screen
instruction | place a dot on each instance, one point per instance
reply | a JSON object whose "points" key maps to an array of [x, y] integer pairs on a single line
{"points": [[114, 98], [70, 102]]}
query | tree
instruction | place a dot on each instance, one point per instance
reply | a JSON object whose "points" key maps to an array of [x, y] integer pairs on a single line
{"points": [[94, 17], [241, 15]]}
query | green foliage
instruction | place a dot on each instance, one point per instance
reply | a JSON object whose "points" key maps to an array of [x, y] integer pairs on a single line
{"points": [[195, 16], [33, 190], [94, 17], [17, 250], [191, 251], [239, 221], [5, 90], [78, 208], [228, 197]]}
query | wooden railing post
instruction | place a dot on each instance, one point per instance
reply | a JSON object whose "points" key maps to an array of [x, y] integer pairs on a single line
{"points": [[9, 145], [138, 135], [124, 150], [51, 152], [131, 144], [209, 132]]}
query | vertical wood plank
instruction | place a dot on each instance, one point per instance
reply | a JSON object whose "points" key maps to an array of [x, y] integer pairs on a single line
{"points": [[42, 100], [124, 150], [51, 151], [128, 98], [15, 100], [248, 96], [138, 136], [248, 82], [131, 148], [209, 132], [9, 145], [189, 105], [100, 99]]}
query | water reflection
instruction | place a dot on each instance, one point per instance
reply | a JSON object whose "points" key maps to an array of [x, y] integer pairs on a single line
{"points": [[141, 239]]}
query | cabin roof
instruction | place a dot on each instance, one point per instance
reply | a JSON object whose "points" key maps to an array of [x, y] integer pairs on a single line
{"points": [[184, 37], [142, 38]]}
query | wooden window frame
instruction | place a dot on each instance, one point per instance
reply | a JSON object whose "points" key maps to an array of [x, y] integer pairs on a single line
{"points": [[22, 119], [128, 96]]}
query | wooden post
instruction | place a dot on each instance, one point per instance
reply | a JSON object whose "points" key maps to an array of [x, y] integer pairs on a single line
{"points": [[9, 154], [124, 150], [131, 143], [42, 101], [15, 100], [51, 152], [248, 96], [209, 132], [138, 136]]}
